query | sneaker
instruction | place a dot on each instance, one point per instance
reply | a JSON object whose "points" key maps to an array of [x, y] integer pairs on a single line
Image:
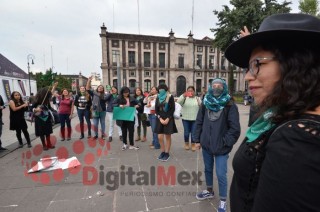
{"points": [[20, 146], [29, 145], [3, 149], [151, 146], [95, 137], [165, 157], [222, 206], [204, 195], [68, 139], [110, 139], [124, 147], [134, 147], [81, 136], [161, 155], [120, 137], [103, 137], [62, 139]]}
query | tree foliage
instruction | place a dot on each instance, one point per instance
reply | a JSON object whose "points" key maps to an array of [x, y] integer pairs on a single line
{"points": [[248, 13], [46, 79], [310, 7]]}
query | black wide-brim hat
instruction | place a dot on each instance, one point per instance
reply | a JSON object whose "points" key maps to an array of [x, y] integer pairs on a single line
{"points": [[289, 27]]}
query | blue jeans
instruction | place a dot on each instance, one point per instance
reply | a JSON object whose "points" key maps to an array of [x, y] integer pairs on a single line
{"points": [[155, 140], [189, 128], [102, 119], [221, 171], [84, 114]]}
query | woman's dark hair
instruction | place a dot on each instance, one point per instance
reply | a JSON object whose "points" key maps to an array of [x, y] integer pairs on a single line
{"points": [[41, 94], [101, 93], [192, 87], [16, 102], [135, 92], [124, 90], [155, 88], [297, 90], [163, 86]]}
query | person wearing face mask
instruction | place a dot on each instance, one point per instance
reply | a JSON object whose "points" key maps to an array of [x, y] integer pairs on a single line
{"points": [[217, 130], [165, 125]]}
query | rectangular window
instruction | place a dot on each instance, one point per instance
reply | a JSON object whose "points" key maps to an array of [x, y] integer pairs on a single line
{"points": [[211, 62], [223, 59], [132, 58], [147, 74], [199, 61], [132, 73], [114, 73], [147, 85], [115, 55], [162, 60], [181, 61], [146, 59], [199, 49], [162, 74]]}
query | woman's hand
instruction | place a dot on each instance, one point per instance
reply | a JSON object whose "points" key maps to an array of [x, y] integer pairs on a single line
{"points": [[244, 32], [122, 106], [164, 122]]}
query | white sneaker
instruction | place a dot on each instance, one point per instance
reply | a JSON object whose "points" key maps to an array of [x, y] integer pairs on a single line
{"points": [[134, 147], [124, 147], [222, 206]]}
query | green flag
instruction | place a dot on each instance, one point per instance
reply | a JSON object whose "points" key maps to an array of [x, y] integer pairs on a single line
{"points": [[124, 114]]}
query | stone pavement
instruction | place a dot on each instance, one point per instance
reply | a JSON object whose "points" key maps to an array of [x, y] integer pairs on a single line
{"points": [[93, 185]]}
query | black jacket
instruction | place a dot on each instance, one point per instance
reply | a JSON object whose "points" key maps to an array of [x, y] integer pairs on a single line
{"points": [[220, 135], [288, 179]]}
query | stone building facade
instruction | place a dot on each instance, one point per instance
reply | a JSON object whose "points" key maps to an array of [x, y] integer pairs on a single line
{"points": [[145, 61]]}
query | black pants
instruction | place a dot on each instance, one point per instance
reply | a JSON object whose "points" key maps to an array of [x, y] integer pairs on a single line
{"points": [[25, 133], [128, 126]]}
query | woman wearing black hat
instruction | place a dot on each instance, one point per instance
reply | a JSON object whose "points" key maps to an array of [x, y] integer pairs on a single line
{"points": [[277, 167]]}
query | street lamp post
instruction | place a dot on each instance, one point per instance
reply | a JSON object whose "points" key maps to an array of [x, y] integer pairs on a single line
{"points": [[30, 57]]}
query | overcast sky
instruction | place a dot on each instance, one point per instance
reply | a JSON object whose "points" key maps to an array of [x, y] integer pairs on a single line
{"points": [[65, 33]]}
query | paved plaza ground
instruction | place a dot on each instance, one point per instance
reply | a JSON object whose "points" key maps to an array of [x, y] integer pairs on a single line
{"points": [[92, 186]]}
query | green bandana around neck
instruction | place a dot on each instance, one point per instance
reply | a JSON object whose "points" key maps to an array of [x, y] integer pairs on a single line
{"points": [[261, 125]]}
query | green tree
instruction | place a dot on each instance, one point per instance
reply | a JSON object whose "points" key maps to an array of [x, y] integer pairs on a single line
{"points": [[310, 7], [45, 80], [248, 13], [63, 82]]}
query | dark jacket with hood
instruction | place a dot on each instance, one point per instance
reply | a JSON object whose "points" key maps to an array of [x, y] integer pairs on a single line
{"points": [[220, 135]]}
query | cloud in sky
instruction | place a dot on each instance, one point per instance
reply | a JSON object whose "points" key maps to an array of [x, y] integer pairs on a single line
{"points": [[70, 29]]}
